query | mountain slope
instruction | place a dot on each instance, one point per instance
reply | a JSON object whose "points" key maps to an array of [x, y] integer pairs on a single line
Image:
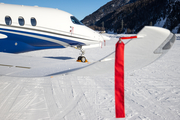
{"points": [[134, 15], [104, 10], [173, 20]]}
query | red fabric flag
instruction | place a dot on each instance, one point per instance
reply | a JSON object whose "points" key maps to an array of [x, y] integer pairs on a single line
{"points": [[119, 80], [131, 37]]}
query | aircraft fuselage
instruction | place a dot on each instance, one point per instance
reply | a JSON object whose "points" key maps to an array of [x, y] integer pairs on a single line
{"points": [[27, 28]]}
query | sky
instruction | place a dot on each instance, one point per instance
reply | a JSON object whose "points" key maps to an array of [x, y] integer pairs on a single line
{"points": [[78, 8]]}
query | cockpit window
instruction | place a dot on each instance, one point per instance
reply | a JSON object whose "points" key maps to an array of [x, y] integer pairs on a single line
{"points": [[75, 20]]}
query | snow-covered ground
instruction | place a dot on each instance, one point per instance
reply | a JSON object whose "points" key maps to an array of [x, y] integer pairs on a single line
{"points": [[151, 93]]}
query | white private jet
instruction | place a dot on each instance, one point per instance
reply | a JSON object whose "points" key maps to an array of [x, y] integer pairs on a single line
{"points": [[25, 28]]}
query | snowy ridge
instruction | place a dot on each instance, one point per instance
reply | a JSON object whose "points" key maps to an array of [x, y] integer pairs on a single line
{"points": [[161, 22], [132, 17]]}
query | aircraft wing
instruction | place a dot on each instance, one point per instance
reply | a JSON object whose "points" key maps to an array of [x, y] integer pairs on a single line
{"points": [[150, 44]]}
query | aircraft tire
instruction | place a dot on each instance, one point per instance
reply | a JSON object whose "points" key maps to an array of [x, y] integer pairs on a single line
{"points": [[82, 58]]}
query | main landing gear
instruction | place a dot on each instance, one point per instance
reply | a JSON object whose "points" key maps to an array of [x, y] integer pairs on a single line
{"points": [[81, 58]]}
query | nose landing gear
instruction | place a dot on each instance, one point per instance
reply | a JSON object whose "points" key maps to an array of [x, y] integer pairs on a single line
{"points": [[81, 58]]}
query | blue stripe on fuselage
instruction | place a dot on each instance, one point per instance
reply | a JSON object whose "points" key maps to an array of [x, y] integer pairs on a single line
{"points": [[11, 46], [16, 43], [70, 42]]}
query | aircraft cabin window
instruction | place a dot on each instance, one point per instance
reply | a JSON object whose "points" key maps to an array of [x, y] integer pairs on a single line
{"points": [[33, 21], [75, 20], [8, 20], [21, 21]]}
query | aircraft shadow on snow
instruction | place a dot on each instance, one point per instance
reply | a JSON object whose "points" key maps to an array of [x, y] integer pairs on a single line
{"points": [[61, 58]]}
